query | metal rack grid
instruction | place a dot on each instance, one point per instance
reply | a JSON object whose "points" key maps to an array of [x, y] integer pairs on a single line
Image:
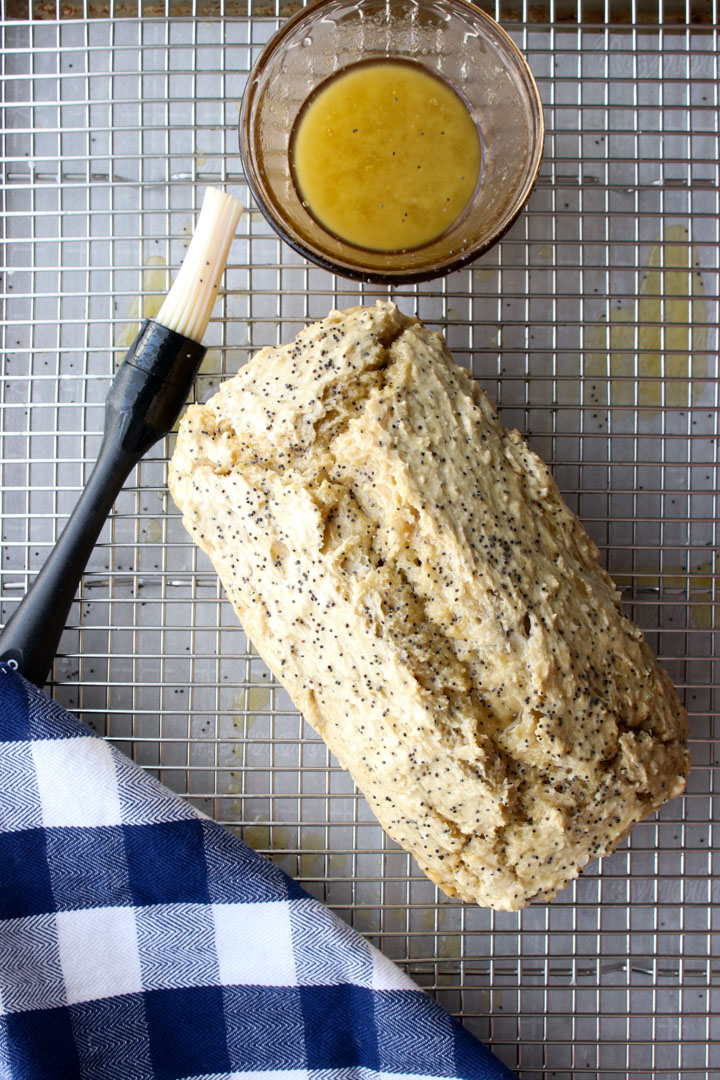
{"points": [[593, 325]]}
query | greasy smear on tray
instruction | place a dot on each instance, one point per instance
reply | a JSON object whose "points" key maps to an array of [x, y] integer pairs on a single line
{"points": [[655, 346]]}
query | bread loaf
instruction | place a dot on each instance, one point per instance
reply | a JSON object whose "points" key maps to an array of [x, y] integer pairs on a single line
{"points": [[411, 574]]}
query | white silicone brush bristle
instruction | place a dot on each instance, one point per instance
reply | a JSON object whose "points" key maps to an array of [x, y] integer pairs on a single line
{"points": [[188, 305]]}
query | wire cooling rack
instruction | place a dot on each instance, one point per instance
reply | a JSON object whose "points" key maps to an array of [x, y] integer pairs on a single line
{"points": [[593, 325]]}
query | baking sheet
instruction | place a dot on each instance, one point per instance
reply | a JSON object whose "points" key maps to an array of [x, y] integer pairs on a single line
{"points": [[593, 325]]}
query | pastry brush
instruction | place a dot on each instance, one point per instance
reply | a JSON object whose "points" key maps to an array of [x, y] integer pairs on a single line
{"points": [[144, 401]]}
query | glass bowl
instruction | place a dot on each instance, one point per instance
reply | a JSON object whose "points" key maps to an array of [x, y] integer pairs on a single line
{"points": [[453, 39]]}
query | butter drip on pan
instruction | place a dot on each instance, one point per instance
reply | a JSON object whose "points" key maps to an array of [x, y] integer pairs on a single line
{"points": [[410, 572]]}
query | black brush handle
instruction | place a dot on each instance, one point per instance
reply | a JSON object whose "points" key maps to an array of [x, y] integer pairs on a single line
{"points": [[144, 401]]}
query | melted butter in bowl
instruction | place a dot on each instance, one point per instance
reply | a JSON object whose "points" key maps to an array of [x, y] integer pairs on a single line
{"points": [[386, 155], [391, 142]]}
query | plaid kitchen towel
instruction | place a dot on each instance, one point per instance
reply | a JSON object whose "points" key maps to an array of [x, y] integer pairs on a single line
{"points": [[142, 941]]}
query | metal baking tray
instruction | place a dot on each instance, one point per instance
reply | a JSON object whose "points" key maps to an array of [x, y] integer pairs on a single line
{"points": [[593, 325]]}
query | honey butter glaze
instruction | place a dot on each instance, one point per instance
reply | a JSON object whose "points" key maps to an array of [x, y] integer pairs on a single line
{"points": [[386, 155], [410, 572]]}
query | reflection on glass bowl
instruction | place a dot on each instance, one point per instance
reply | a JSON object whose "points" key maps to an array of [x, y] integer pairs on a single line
{"points": [[451, 39]]}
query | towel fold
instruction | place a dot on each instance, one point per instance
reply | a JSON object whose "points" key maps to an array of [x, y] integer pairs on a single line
{"points": [[141, 941]]}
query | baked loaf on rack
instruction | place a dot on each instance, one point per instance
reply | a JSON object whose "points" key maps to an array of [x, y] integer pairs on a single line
{"points": [[409, 571]]}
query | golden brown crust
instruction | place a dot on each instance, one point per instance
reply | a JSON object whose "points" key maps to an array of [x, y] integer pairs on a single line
{"points": [[410, 572]]}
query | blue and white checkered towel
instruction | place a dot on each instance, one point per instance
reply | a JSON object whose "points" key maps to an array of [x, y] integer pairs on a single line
{"points": [[141, 941]]}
